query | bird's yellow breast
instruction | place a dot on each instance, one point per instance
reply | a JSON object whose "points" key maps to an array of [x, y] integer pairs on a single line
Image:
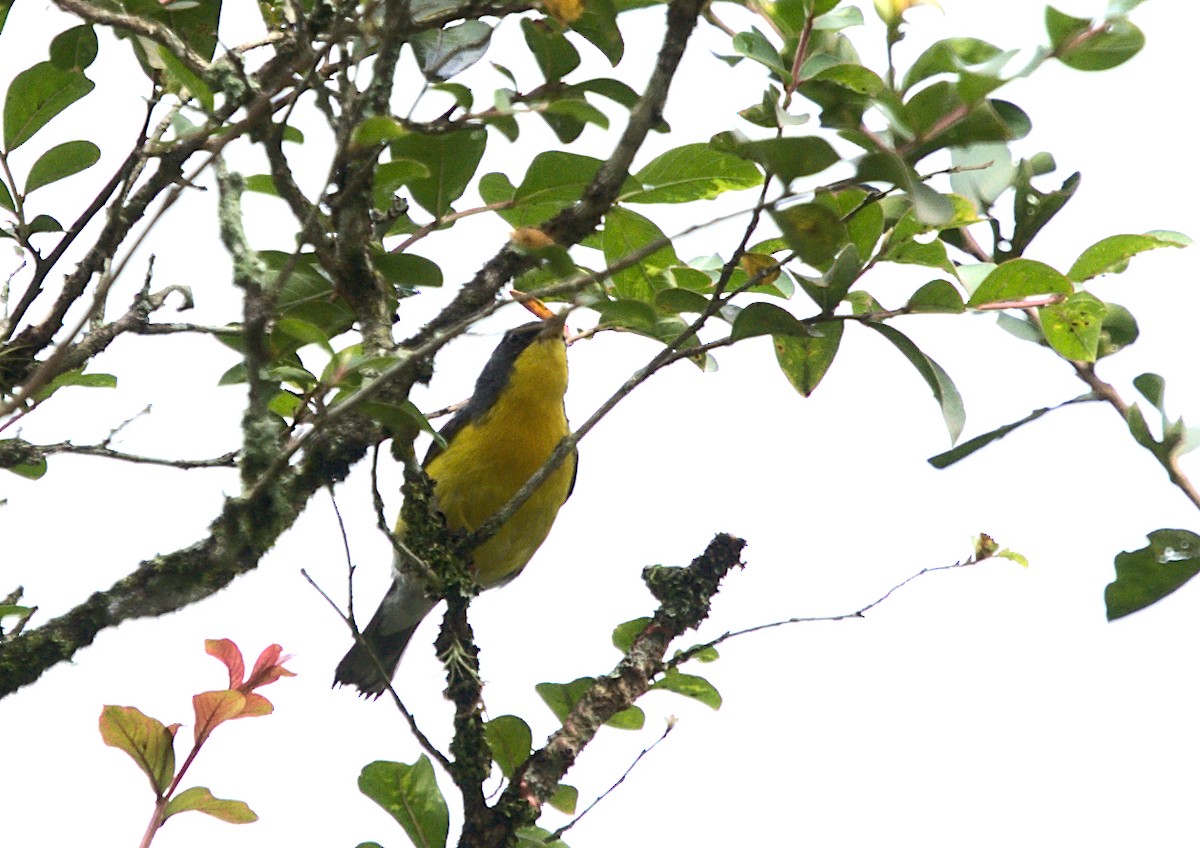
{"points": [[489, 459]]}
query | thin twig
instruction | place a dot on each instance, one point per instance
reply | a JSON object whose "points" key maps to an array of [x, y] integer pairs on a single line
{"points": [[684, 656], [421, 738], [558, 834]]}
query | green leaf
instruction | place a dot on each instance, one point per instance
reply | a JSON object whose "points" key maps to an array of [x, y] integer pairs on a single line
{"points": [[765, 319], [1017, 280], [936, 296], [792, 15], [185, 83], [1118, 331], [939, 382], [564, 799], [554, 54], [1063, 28], [511, 742], [1112, 255], [43, 224], [34, 470], [451, 159], [411, 796], [805, 359], [146, 740], [1073, 327], [1151, 573], [949, 56], [813, 230], [555, 181], [852, 77], [576, 108], [76, 378], [262, 184], [6, 198], [407, 269], [614, 90], [1153, 388], [754, 45], [787, 158], [631, 718], [199, 798], [195, 21], [931, 254], [598, 24], [988, 172], [562, 697], [930, 208], [1114, 44], [636, 315], [303, 331], [828, 291], [691, 686], [75, 49], [462, 95], [444, 53], [624, 634], [538, 837], [839, 19], [945, 460], [377, 129], [61, 161], [35, 96], [624, 233], [1033, 209], [863, 217], [10, 610], [693, 172], [5, 5], [679, 299], [390, 176]]}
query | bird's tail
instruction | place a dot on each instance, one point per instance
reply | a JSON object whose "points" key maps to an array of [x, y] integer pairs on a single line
{"points": [[388, 634]]}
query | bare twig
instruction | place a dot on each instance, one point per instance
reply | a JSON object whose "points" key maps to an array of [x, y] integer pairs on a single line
{"points": [[558, 834], [421, 738], [684, 656]]}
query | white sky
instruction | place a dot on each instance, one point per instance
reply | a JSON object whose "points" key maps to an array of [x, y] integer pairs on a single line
{"points": [[989, 706]]}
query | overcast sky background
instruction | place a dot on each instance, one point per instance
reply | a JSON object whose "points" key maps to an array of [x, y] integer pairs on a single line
{"points": [[988, 706]]}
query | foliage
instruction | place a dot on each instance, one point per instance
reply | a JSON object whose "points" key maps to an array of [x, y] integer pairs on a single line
{"points": [[151, 744], [840, 173]]}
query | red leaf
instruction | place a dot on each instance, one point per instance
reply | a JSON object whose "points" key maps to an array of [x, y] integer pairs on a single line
{"points": [[213, 708], [267, 669], [227, 652], [145, 739]]}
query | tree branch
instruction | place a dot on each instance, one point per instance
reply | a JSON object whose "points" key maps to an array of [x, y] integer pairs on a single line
{"points": [[571, 225]]}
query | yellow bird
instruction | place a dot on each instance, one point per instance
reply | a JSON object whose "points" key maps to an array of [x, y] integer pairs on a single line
{"points": [[503, 435]]}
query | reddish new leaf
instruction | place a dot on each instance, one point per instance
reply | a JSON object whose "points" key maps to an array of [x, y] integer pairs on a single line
{"points": [[213, 708], [147, 740], [227, 652], [267, 668], [256, 705]]}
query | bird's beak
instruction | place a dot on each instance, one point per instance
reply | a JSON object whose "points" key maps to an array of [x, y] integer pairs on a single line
{"points": [[556, 322]]}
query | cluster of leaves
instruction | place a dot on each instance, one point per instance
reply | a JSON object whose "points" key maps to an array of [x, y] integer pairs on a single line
{"points": [[838, 154], [410, 793], [151, 744]]}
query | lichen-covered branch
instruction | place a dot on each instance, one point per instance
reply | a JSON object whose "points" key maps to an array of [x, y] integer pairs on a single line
{"points": [[684, 595]]}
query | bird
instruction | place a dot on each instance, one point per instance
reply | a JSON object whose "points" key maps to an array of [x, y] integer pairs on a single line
{"points": [[513, 421]]}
